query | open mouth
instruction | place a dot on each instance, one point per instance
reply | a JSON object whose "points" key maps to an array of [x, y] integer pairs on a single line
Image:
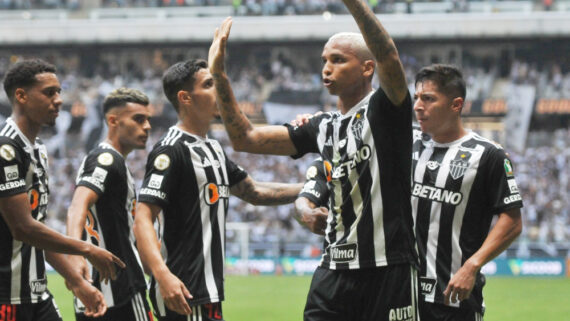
{"points": [[327, 82]]}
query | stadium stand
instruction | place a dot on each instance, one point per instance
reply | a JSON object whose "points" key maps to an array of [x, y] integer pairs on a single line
{"points": [[287, 71]]}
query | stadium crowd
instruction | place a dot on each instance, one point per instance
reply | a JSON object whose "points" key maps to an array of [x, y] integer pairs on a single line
{"points": [[247, 7], [542, 169]]}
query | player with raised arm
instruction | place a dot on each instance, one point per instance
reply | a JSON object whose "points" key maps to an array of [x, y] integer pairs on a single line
{"points": [[460, 181], [369, 263], [34, 91], [102, 210], [188, 182]]}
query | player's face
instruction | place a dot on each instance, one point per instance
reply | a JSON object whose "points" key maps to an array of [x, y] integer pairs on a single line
{"points": [[342, 70], [204, 95], [42, 101], [433, 109], [134, 126]]}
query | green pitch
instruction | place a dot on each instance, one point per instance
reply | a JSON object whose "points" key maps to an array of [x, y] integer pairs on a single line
{"points": [[282, 298]]}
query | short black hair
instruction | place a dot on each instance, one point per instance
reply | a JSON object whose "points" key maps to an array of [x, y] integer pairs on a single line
{"points": [[449, 79], [121, 96], [23, 75], [181, 76]]}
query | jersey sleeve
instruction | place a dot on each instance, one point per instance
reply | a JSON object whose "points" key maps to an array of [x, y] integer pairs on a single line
{"points": [[384, 112], [235, 172], [161, 176], [14, 169], [100, 171], [315, 188], [501, 187], [305, 137]]}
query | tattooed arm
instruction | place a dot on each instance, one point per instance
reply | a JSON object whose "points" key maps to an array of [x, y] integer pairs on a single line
{"points": [[390, 70], [264, 193], [244, 136]]}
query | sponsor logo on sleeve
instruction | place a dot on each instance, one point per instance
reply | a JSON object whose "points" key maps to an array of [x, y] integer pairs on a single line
{"points": [[508, 168], [7, 152], [105, 159], [512, 198], [162, 162], [99, 174], [513, 186], [155, 181], [12, 185], [11, 172], [153, 192]]}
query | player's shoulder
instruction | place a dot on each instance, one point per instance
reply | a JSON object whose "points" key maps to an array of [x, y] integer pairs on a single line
{"points": [[105, 156], [488, 144]]}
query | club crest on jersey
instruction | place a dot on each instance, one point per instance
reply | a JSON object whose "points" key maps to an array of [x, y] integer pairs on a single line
{"points": [[357, 126], [105, 159], [7, 152], [458, 167], [508, 168], [162, 162], [311, 172], [214, 192], [343, 252]]}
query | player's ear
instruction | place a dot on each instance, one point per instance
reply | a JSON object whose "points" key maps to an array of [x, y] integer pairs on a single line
{"points": [[457, 104], [20, 96], [184, 97], [368, 68], [112, 119]]}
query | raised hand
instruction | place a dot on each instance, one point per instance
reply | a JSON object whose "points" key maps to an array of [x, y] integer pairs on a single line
{"points": [[217, 51]]}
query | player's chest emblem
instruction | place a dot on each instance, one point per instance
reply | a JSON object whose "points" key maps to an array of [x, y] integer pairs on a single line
{"points": [[357, 125], [458, 167]]}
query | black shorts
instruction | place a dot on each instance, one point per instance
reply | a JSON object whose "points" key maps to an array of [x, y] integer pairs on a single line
{"points": [[42, 311], [439, 312], [137, 309], [204, 312], [379, 294]]}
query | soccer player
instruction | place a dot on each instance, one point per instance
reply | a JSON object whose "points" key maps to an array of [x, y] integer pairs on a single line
{"points": [[103, 206], [368, 269], [311, 206], [189, 180], [34, 91], [460, 181]]}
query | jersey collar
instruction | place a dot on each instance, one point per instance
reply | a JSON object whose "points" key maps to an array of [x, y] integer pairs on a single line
{"points": [[358, 105], [25, 139]]}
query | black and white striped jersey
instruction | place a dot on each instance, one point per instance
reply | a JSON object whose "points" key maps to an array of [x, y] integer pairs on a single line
{"points": [[315, 188], [24, 170], [368, 153], [109, 222], [190, 177], [457, 188]]}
